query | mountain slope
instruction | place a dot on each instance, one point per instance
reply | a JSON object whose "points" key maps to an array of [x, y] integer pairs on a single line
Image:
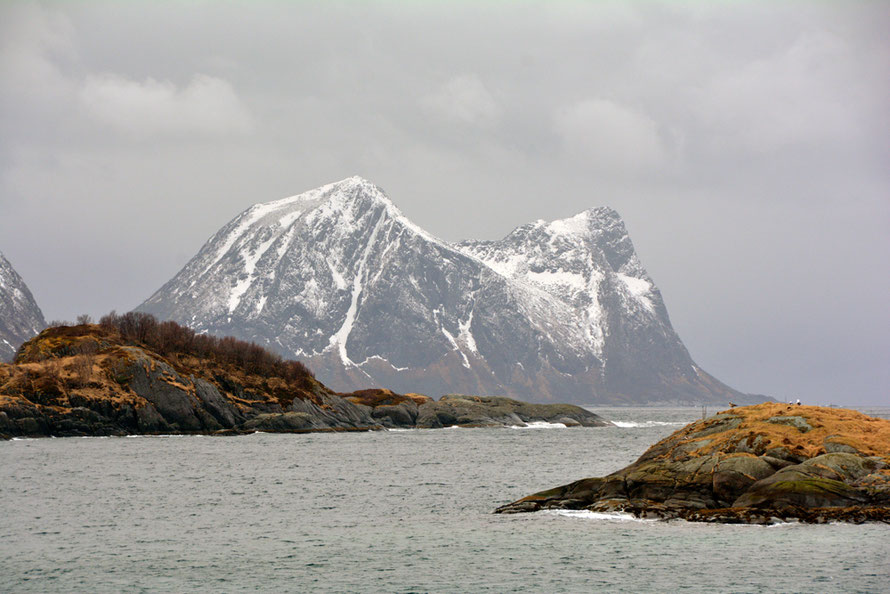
{"points": [[340, 278], [20, 318]]}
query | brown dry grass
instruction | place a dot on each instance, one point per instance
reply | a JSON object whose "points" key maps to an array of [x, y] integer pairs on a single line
{"points": [[90, 363], [869, 435], [418, 398], [376, 397]]}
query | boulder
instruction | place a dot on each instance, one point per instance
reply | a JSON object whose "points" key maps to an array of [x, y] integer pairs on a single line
{"points": [[280, 423]]}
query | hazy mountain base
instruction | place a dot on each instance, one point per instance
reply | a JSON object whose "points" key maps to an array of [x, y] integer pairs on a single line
{"points": [[441, 376]]}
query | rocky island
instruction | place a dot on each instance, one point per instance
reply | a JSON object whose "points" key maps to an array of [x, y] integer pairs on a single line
{"points": [[131, 374], [753, 464]]}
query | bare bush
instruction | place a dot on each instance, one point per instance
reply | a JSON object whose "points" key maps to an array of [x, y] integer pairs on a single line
{"points": [[83, 368], [54, 369], [168, 338], [88, 347]]}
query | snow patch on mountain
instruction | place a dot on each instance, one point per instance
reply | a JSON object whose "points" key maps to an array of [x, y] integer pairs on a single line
{"points": [[338, 340], [466, 334], [576, 225], [640, 288]]}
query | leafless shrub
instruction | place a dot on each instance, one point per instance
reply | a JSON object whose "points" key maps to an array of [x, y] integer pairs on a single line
{"points": [[83, 368], [54, 369], [88, 347], [168, 338]]}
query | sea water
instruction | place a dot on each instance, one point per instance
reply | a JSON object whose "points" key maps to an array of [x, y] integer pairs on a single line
{"points": [[397, 511]]}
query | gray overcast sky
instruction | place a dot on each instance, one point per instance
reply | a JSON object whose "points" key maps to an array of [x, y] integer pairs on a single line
{"points": [[744, 143]]}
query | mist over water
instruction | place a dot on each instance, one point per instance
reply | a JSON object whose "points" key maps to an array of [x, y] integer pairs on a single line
{"points": [[402, 511]]}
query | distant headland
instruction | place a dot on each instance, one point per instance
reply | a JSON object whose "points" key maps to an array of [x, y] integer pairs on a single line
{"points": [[131, 374]]}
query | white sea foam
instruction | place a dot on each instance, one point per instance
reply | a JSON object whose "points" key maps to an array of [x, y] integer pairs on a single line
{"points": [[634, 424], [540, 425], [589, 515], [163, 436]]}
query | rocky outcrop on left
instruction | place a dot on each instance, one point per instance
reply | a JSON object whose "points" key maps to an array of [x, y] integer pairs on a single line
{"points": [[754, 464], [20, 317], [89, 380], [83, 380]]}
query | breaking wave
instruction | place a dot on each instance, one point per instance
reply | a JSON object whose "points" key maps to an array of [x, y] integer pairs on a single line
{"points": [[634, 424], [540, 425], [589, 515]]}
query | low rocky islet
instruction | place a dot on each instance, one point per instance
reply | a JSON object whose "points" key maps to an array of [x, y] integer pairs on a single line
{"points": [[755, 464]]}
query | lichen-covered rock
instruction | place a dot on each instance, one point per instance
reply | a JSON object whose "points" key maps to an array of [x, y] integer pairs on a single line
{"points": [[280, 423], [750, 464], [735, 474], [159, 384], [498, 411], [798, 422]]}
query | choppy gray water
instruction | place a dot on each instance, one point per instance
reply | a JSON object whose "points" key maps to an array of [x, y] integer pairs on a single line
{"points": [[401, 511]]}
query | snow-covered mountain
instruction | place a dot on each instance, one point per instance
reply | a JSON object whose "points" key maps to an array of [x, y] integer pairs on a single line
{"points": [[339, 278], [20, 318]]}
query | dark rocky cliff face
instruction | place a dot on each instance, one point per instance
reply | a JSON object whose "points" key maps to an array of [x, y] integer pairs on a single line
{"points": [[339, 278], [20, 318], [90, 380]]}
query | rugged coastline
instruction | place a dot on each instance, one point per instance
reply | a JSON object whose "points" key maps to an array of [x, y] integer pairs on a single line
{"points": [[559, 311], [111, 379], [755, 464]]}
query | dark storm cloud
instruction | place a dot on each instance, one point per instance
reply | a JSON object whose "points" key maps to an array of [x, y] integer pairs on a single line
{"points": [[745, 144]]}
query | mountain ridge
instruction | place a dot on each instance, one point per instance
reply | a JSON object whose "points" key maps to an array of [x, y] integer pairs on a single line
{"points": [[340, 277]]}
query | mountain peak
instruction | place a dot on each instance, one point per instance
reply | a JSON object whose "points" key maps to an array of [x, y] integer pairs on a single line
{"points": [[339, 277], [355, 180], [349, 189], [584, 222], [354, 186]]}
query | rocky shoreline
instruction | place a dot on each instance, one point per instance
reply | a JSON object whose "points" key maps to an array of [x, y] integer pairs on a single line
{"points": [[755, 464], [88, 381]]}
